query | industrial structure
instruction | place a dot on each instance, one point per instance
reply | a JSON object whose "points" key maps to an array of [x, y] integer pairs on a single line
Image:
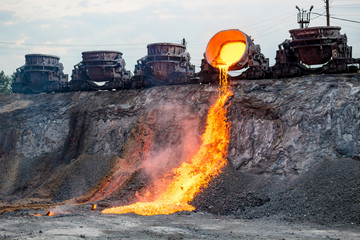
{"points": [[165, 63], [311, 50], [41, 73], [100, 70]]}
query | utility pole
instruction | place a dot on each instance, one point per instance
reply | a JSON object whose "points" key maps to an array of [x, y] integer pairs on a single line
{"points": [[327, 13]]}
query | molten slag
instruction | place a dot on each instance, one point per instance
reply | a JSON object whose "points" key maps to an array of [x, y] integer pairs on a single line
{"points": [[196, 172]]}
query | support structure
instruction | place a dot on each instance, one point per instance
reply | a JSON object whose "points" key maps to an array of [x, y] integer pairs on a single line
{"points": [[303, 17]]}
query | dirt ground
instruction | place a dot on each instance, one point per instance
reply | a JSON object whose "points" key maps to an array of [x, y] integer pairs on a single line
{"points": [[295, 175], [79, 222], [241, 213]]}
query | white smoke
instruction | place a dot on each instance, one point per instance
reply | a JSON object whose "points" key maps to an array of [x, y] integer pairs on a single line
{"points": [[180, 139]]}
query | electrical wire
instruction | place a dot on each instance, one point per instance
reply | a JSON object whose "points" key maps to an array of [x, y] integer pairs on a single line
{"points": [[318, 16], [342, 19], [78, 45]]}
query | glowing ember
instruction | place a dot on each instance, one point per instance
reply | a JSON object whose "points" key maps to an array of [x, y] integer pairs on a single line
{"points": [[93, 207], [36, 215], [50, 213], [195, 173]]}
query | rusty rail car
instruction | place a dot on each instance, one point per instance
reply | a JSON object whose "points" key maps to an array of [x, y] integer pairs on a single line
{"points": [[41, 73], [165, 63], [323, 46], [315, 50], [100, 70]]}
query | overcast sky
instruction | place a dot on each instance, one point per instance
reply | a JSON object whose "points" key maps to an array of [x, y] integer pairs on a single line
{"points": [[68, 27]]}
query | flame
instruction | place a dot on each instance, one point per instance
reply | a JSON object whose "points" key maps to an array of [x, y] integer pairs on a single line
{"points": [[50, 213], [93, 207], [196, 172]]}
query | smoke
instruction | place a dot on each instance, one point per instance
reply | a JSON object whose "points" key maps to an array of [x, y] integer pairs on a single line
{"points": [[176, 138], [63, 209]]}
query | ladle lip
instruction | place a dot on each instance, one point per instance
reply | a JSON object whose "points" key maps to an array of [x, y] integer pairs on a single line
{"points": [[222, 37]]}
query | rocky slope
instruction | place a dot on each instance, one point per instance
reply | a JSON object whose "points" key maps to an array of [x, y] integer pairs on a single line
{"points": [[294, 151]]}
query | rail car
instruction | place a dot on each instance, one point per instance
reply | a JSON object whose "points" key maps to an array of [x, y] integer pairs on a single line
{"points": [[41, 73], [323, 46], [100, 70], [169, 63], [255, 63], [314, 46], [165, 64]]}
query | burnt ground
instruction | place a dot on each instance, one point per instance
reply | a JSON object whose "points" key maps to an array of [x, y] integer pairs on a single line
{"points": [[294, 168], [236, 205], [328, 193]]}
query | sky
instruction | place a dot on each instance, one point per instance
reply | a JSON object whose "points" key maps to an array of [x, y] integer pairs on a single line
{"points": [[66, 28]]}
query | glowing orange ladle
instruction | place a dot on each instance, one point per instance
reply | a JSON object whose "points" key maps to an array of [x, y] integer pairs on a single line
{"points": [[228, 48]]}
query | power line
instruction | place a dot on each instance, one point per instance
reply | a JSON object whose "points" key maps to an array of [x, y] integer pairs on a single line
{"points": [[349, 25], [78, 45], [342, 19], [343, 6], [347, 20], [263, 30], [319, 15]]}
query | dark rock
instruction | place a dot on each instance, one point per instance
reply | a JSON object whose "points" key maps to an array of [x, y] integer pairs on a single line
{"points": [[294, 149]]}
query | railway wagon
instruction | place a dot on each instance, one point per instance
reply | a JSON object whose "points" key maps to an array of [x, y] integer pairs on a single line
{"points": [[164, 64], [100, 70], [41, 73]]}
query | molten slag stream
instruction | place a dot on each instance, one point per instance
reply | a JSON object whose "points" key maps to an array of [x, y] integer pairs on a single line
{"points": [[195, 173]]}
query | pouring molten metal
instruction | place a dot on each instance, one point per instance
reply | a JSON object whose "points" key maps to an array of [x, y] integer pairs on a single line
{"points": [[196, 172], [229, 48]]}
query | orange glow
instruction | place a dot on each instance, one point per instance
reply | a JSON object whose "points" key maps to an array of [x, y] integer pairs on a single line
{"points": [[228, 47], [196, 172], [229, 54], [37, 215], [50, 213], [193, 174], [93, 207]]}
